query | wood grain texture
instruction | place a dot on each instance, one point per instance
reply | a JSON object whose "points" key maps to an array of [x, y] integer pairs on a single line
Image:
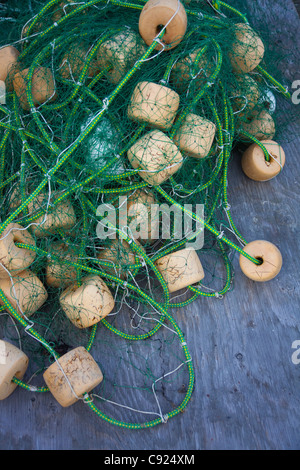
{"points": [[247, 389]]}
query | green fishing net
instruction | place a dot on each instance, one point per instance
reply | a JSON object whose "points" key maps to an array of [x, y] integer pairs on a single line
{"points": [[114, 154]]}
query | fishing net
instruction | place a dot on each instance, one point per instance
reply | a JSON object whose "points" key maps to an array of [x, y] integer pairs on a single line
{"points": [[116, 136]]}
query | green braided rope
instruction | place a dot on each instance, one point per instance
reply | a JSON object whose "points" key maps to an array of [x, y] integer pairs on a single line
{"points": [[206, 225], [257, 142], [283, 90]]}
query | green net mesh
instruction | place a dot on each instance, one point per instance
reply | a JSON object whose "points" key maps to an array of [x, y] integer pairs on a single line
{"points": [[114, 160]]}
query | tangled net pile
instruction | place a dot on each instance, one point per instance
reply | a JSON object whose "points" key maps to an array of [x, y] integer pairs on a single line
{"points": [[106, 103]]}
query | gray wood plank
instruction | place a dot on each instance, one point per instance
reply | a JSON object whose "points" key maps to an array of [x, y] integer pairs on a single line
{"points": [[247, 389]]}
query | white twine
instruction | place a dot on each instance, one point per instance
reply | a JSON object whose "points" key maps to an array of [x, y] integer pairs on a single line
{"points": [[125, 406], [218, 296], [186, 195], [164, 417], [70, 4], [105, 102], [245, 105], [153, 56], [275, 160], [281, 168], [230, 230], [168, 22], [270, 85], [66, 62], [215, 9]]}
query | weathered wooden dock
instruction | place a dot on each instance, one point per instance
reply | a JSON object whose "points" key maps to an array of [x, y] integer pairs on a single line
{"points": [[247, 387]]}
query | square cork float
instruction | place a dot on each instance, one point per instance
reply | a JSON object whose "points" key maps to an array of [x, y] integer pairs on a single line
{"points": [[25, 292], [156, 156], [180, 269], [14, 259], [72, 376], [87, 304], [153, 104], [195, 136]]}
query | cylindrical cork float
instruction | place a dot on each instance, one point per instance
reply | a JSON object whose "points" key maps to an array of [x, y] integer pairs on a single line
{"points": [[260, 124], [73, 62], [55, 215], [159, 14], [246, 93], [13, 364], [255, 165], [269, 257], [192, 70]]}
